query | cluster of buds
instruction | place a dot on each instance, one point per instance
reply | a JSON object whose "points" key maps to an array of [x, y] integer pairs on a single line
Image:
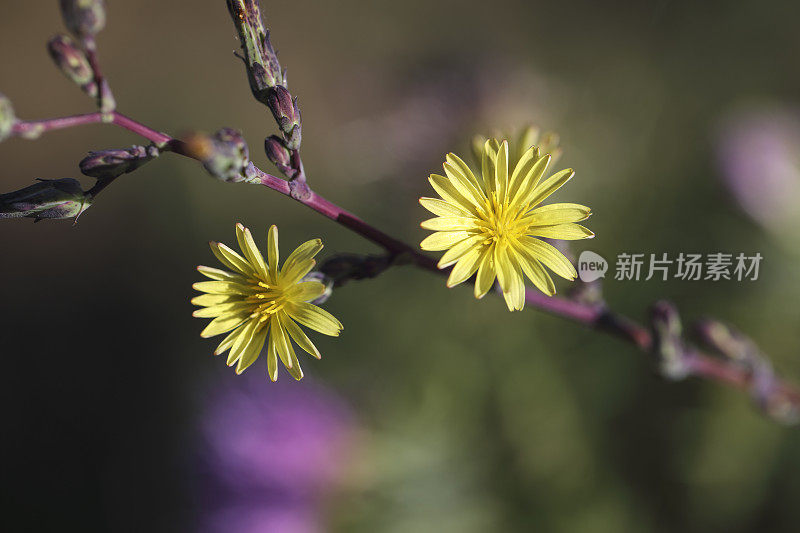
{"points": [[7, 118], [668, 343], [61, 198], [72, 61], [224, 155], [268, 84], [110, 164], [84, 18], [263, 69], [732, 344]]}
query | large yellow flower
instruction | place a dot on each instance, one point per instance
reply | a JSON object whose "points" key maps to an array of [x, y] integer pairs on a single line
{"points": [[260, 303], [490, 225]]}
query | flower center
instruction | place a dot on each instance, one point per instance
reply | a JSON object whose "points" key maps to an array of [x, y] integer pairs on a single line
{"points": [[503, 222], [267, 301]]}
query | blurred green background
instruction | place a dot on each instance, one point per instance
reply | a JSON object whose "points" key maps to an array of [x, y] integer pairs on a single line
{"points": [[470, 418]]}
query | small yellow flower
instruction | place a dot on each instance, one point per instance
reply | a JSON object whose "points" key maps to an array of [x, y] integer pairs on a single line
{"points": [[490, 225], [260, 303], [546, 142]]}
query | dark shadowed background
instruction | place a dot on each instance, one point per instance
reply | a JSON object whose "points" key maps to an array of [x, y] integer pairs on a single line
{"points": [[451, 415]]}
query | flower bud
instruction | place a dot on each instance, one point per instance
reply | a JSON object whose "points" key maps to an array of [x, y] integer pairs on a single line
{"points": [[109, 164], [286, 113], [725, 340], [84, 18], [277, 153], [345, 267], [7, 118], [62, 198], [72, 61], [224, 155], [325, 280], [263, 68], [667, 342]]}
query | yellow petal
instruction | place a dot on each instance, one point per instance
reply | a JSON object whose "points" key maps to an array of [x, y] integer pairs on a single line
{"points": [[454, 254], [567, 232], [442, 208], [219, 275], [501, 170], [549, 186], [302, 254], [250, 355], [208, 300], [272, 252], [315, 318], [459, 165], [272, 360], [504, 269], [515, 296], [552, 214], [223, 287], [242, 342], [223, 324], [231, 259], [487, 166], [443, 240], [228, 341], [465, 267], [450, 224], [251, 251], [222, 309], [450, 194], [306, 291], [486, 274], [297, 271], [464, 186], [285, 350], [530, 180], [550, 256], [535, 272], [523, 167], [298, 335]]}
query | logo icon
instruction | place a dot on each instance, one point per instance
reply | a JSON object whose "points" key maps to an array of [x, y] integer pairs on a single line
{"points": [[591, 266]]}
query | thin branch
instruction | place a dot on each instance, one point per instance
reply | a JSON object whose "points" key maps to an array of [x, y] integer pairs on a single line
{"points": [[32, 129]]}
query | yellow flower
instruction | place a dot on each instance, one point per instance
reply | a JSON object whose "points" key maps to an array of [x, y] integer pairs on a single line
{"points": [[260, 303], [546, 142], [490, 225]]}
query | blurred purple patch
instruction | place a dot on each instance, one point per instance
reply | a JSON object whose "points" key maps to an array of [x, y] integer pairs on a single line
{"points": [[759, 155], [270, 452]]}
